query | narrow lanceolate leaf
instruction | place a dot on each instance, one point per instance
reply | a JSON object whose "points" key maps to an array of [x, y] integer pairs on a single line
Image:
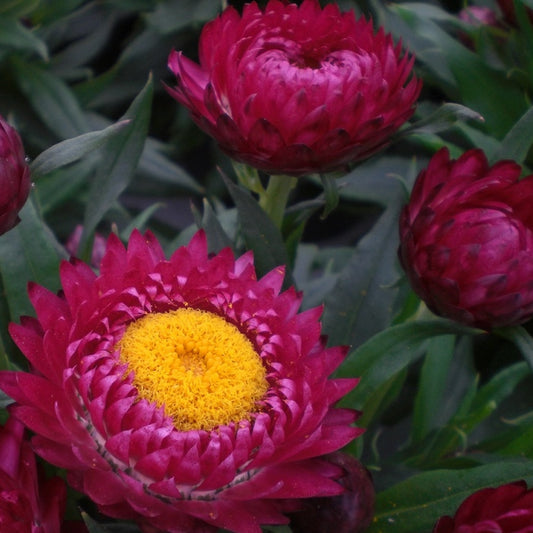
{"points": [[259, 232], [361, 302], [518, 141], [432, 385], [442, 119], [217, 238], [14, 35], [120, 157], [521, 339], [51, 99], [17, 8], [386, 354], [28, 252], [414, 505], [71, 150]]}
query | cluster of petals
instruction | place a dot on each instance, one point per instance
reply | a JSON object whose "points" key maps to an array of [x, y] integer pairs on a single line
{"points": [[29, 503], [467, 240], [504, 509], [296, 89], [124, 452], [15, 179]]}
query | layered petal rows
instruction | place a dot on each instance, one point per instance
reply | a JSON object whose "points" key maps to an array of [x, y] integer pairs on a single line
{"points": [[29, 503], [504, 509], [467, 240], [280, 90], [126, 453], [15, 179]]}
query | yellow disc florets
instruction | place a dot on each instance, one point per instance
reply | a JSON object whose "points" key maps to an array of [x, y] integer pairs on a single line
{"points": [[201, 368]]}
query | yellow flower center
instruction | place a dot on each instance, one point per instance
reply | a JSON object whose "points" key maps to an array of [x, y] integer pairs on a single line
{"points": [[197, 365]]}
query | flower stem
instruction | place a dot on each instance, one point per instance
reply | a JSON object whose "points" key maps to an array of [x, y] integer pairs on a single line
{"points": [[275, 198]]}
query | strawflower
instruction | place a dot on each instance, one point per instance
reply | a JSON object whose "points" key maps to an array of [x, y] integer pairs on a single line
{"points": [[29, 503], [15, 179], [467, 240], [185, 393], [296, 89], [504, 509]]}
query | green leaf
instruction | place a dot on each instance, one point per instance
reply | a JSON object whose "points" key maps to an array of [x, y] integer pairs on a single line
{"points": [[51, 99], [521, 339], [62, 185], [158, 167], [17, 8], [170, 17], [259, 232], [71, 150], [462, 72], [28, 252], [14, 35], [442, 119], [414, 505], [386, 354], [361, 302], [216, 236], [120, 157], [331, 194], [518, 141], [140, 221], [92, 525], [432, 385]]}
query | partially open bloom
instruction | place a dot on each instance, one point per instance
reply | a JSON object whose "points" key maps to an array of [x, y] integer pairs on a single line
{"points": [[185, 394], [467, 240], [504, 509], [15, 180], [29, 503], [349, 512], [296, 89]]}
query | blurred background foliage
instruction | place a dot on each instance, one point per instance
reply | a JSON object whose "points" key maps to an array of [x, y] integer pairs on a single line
{"points": [[433, 395]]}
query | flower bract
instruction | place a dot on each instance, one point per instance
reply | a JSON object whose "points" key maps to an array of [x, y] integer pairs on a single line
{"points": [[504, 509], [15, 179], [29, 503], [183, 393], [281, 91], [467, 240]]}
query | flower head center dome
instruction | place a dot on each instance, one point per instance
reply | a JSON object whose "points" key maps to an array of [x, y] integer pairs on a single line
{"points": [[201, 368]]}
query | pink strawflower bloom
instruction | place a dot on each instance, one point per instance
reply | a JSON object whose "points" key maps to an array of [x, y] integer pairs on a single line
{"points": [[15, 180], [29, 503], [182, 393], [505, 509], [296, 89], [467, 240], [479, 16]]}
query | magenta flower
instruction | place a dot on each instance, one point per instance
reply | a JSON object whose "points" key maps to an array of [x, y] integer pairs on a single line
{"points": [[467, 240], [28, 502], [15, 180], [505, 509], [296, 89], [185, 393]]}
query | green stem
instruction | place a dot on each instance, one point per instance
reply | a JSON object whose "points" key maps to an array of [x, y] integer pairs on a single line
{"points": [[275, 198]]}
